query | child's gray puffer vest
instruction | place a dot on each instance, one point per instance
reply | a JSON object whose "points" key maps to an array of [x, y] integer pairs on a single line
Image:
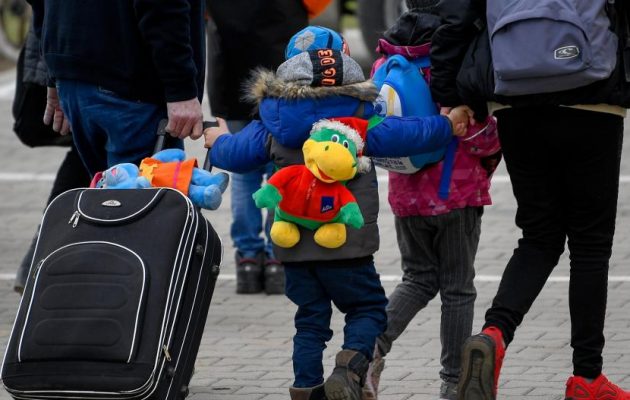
{"points": [[360, 242]]}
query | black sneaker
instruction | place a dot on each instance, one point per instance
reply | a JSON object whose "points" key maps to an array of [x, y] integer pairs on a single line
{"points": [[249, 274], [274, 276]]}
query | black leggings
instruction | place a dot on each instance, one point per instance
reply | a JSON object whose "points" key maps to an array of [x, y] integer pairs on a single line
{"points": [[564, 166]]}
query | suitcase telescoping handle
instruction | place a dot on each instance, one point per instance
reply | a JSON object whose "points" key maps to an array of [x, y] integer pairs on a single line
{"points": [[162, 136]]}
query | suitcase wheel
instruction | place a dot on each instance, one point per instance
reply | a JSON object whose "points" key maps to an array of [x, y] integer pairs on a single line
{"points": [[184, 392]]}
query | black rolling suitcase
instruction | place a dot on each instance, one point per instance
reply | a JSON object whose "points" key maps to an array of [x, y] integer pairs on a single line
{"points": [[117, 299]]}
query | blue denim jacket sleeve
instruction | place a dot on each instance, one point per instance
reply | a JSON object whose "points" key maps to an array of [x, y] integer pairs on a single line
{"points": [[408, 136], [242, 151]]}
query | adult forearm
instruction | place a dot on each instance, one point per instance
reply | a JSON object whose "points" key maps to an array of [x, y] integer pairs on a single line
{"points": [[462, 20]]}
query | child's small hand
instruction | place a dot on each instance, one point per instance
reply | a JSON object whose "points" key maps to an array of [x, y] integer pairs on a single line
{"points": [[460, 117], [212, 134]]}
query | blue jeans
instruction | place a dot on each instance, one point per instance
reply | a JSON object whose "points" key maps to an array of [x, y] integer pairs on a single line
{"points": [[355, 290], [108, 129], [247, 219]]}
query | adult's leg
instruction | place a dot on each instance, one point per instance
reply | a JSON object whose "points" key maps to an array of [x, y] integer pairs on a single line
{"points": [[312, 324], [109, 129], [456, 245], [594, 142], [534, 165], [71, 174], [79, 106], [269, 170], [273, 269], [420, 282], [247, 222]]}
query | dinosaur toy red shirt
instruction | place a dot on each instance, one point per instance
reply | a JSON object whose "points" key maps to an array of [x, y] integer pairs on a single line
{"points": [[305, 198]]}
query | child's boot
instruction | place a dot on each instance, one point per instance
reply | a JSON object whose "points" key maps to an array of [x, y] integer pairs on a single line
{"points": [[482, 357], [312, 393], [373, 376], [348, 377]]}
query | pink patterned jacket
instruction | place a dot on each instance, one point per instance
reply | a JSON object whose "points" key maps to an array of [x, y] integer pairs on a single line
{"points": [[476, 158]]}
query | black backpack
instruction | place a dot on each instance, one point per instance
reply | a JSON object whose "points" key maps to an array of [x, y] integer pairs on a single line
{"points": [[28, 108]]}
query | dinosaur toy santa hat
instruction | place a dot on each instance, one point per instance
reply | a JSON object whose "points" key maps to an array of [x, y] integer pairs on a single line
{"points": [[355, 129]]}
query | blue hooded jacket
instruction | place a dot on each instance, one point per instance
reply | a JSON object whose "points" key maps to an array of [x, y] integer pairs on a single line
{"points": [[288, 111]]}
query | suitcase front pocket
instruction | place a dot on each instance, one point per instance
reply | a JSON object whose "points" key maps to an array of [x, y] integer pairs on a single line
{"points": [[86, 304]]}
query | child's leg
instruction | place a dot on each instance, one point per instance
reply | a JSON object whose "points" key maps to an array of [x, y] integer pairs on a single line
{"points": [[456, 245], [357, 292], [312, 324], [420, 283]]}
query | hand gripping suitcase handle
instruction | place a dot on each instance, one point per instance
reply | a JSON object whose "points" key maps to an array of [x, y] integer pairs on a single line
{"points": [[162, 136]]}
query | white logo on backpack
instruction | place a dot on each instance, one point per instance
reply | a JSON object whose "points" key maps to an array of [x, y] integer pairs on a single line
{"points": [[566, 52]]}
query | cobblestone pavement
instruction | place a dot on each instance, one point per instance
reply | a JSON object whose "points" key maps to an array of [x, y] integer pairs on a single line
{"points": [[246, 349]]}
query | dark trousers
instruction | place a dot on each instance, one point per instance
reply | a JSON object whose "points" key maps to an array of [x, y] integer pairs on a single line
{"points": [[437, 255], [564, 166], [355, 290], [71, 174]]}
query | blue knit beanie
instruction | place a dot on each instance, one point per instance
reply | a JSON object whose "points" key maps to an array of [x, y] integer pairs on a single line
{"points": [[315, 38]]}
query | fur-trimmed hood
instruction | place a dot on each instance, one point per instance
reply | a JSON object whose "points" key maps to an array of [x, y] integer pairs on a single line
{"points": [[288, 110], [264, 83]]}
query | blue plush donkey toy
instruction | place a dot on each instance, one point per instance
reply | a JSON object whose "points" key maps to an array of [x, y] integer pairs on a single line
{"points": [[169, 168]]}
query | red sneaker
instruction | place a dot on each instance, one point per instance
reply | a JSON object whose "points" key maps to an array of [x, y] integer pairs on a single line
{"points": [[482, 357], [600, 389]]}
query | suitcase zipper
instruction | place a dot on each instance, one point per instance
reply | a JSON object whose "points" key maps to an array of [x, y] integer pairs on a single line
{"points": [[74, 219], [166, 353], [80, 213]]}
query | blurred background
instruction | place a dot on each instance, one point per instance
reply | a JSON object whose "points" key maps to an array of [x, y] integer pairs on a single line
{"points": [[362, 21], [15, 16]]}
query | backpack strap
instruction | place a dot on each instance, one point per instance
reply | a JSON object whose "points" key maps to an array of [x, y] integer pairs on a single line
{"points": [[447, 169]]}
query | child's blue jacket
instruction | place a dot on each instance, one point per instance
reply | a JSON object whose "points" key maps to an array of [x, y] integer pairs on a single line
{"points": [[288, 111]]}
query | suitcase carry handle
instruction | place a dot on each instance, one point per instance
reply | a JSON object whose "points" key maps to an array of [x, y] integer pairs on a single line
{"points": [[162, 135], [207, 164]]}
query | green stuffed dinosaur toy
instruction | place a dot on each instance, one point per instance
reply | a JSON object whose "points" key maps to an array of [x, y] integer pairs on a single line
{"points": [[314, 195]]}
